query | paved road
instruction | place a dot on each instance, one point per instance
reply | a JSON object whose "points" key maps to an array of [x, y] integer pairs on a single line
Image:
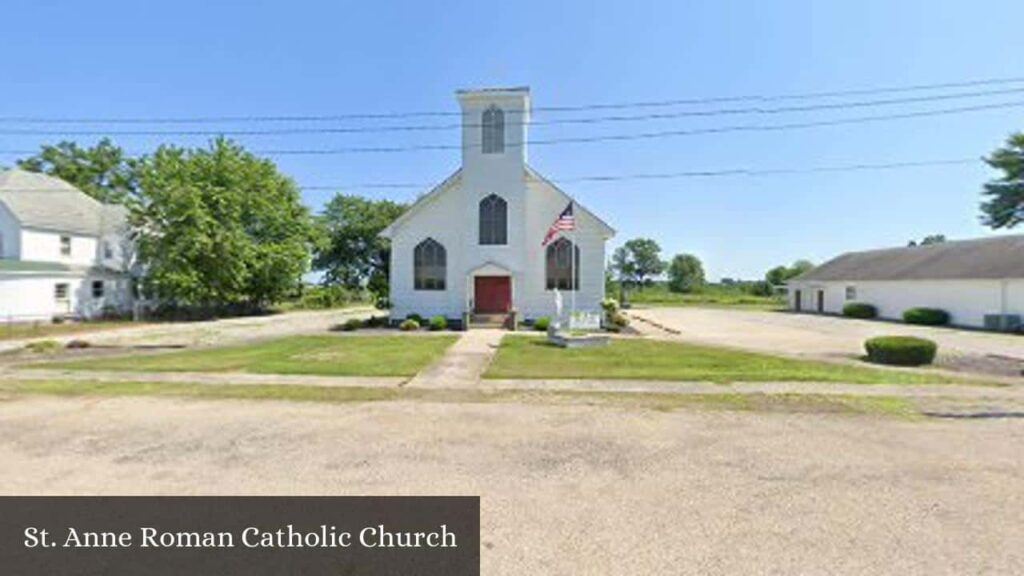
{"points": [[574, 489], [811, 335]]}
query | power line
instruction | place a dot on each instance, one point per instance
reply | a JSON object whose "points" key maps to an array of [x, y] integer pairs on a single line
{"points": [[629, 136], [562, 121], [550, 109], [729, 172]]}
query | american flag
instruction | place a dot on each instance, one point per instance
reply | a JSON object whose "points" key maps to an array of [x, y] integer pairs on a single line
{"points": [[564, 223]]}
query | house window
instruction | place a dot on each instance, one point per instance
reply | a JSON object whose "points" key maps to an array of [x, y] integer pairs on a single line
{"points": [[108, 250], [493, 131], [65, 245], [493, 221], [97, 289], [851, 292], [60, 292], [562, 273], [429, 265]]}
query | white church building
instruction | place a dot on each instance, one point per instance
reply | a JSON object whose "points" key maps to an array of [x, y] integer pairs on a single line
{"points": [[62, 253], [473, 245]]}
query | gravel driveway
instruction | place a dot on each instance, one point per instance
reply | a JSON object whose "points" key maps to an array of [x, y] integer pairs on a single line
{"points": [[832, 337], [574, 489]]}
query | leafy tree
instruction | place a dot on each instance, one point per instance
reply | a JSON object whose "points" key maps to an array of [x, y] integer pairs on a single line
{"points": [[638, 261], [928, 240], [219, 228], [102, 171], [1005, 206], [352, 253], [781, 274], [685, 274]]}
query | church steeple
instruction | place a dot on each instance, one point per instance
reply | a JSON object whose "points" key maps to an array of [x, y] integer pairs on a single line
{"points": [[494, 130]]}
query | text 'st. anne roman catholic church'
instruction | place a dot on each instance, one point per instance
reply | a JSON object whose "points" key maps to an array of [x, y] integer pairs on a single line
{"points": [[479, 242]]}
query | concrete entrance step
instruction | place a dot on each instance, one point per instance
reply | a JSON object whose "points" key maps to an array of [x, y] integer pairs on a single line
{"points": [[488, 320]]}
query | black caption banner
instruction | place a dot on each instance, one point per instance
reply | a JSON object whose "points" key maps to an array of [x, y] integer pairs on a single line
{"points": [[225, 536]]}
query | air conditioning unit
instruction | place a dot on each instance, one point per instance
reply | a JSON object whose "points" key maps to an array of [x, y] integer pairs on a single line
{"points": [[1003, 322]]}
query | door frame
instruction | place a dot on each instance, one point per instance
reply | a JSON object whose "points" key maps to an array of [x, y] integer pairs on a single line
{"points": [[819, 302]]}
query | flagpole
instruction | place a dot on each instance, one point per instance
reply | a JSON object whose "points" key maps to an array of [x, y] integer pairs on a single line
{"points": [[572, 269]]}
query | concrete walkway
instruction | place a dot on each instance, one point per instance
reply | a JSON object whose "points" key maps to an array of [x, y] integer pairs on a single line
{"points": [[464, 363]]}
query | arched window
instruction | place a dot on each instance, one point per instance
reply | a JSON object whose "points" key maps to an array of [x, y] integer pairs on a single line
{"points": [[561, 272], [429, 265], [493, 131], [493, 221]]}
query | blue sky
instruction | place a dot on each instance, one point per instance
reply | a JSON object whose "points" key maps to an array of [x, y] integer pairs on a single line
{"points": [[192, 58]]}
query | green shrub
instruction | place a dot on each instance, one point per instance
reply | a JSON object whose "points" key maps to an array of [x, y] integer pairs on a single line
{"points": [[438, 323], [619, 319], [78, 344], [409, 325], [610, 305], [860, 310], [926, 316], [376, 321], [419, 319], [351, 325], [324, 297], [43, 346], [542, 324], [901, 350]]}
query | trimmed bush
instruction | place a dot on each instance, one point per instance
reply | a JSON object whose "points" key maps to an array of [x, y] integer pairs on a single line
{"points": [[376, 322], [78, 344], [860, 310], [419, 319], [351, 325], [926, 316], [438, 323], [409, 325], [43, 346], [610, 305], [619, 319], [542, 324], [901, 350]]}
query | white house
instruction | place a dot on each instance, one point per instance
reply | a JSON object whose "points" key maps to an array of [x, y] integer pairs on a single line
{"points": [[980, 283], [62, 253], [473, 244]]}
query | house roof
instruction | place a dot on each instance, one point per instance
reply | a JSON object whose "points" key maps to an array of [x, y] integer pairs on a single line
{"points": [[456, 176], [42, 201], [983, 258]]}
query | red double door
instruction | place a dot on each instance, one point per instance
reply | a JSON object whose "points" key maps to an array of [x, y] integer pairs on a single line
{"points": [[493, 294]]}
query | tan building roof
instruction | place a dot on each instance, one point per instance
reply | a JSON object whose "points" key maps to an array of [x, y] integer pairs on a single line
{"points": [[984, 258]]}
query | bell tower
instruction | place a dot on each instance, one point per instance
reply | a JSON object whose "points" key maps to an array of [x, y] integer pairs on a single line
{"points": [[494, 131]]}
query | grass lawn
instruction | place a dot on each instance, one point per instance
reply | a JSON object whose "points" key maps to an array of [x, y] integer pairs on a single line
{"points": [[47, 329], [326, 355], [784, 403], [716, 295], [522, 357]]}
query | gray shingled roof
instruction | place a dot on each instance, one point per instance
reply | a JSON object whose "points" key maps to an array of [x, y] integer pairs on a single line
{"points": [[41, 201], [985, 258]]}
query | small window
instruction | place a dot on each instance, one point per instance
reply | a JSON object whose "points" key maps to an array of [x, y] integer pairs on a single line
{"points": [[493, 221], [492, 129], [108, 250], [65, 245], [851, 292], [562, 272], [429, 265], [97, 289], [60, 292]]}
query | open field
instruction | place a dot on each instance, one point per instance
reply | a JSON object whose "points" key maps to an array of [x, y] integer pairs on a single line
{"points": [[522, 357], [570, 488], [713, 295], [326, 355]]}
